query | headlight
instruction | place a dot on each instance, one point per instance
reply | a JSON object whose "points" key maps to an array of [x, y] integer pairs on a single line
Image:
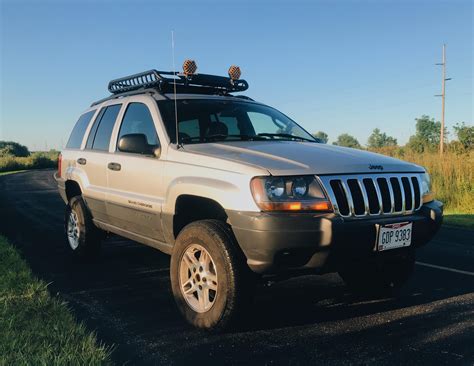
{"points": [[275, 188], [426, 194], [301, 193], [299, 187]]}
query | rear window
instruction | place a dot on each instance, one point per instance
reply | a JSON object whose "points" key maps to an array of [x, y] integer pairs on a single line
{"points": [[99, 137], [77, 134]]}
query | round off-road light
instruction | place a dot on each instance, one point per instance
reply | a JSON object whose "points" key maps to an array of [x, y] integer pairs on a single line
{"points": [[189, 67], [234, 72]]}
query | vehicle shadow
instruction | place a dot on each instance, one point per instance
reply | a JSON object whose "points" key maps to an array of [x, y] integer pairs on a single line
{"points": [[316, 299]]}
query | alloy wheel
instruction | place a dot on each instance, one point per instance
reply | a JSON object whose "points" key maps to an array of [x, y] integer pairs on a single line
{"points": [[198, 278], [73, 230]]}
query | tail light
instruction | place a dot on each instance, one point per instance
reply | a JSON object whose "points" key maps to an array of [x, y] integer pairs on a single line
{"points": [[60, 163]]}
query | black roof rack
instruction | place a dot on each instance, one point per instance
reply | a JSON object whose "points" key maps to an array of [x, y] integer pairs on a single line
{"points": [[165, 81]]}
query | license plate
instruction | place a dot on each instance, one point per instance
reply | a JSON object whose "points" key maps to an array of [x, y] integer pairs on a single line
{"points": [[393, 236]]}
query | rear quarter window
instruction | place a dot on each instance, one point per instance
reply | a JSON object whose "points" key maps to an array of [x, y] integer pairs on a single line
{"points": [[77, 134], [99, 136]]}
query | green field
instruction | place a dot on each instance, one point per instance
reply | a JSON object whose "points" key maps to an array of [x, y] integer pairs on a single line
{"points": [[12, 172], [461, 220], [37, 160], [37, 328]]}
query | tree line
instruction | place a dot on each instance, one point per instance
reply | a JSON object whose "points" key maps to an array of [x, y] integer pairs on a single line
{"points": [[426, 137]]}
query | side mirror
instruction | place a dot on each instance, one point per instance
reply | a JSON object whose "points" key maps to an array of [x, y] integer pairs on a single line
{"points": [[137, 143]]}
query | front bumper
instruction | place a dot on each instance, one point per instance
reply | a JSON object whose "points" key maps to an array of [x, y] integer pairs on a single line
{"points": [[278, 242]]}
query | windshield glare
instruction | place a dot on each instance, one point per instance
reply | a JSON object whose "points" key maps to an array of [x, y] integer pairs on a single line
{"points": [[207, 120]]}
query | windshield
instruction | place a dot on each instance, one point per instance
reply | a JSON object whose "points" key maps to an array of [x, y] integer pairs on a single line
{"points": [[207, 120]]}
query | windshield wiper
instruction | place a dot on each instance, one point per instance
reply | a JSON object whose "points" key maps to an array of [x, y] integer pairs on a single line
{"points": [[286, 135], [223, 136], [220, 136]]}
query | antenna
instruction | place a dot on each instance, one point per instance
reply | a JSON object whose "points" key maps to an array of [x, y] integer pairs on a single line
{"points": [[174, 92]]}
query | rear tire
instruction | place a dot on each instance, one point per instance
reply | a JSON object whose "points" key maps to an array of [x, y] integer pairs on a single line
{"points": [[379, 278], [210, 280], [82, 236]]}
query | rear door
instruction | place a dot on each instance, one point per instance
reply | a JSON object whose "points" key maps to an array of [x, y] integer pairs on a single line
{"points": [[135, 188], [93, 160]]}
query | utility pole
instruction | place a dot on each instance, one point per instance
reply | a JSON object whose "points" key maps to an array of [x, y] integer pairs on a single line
{"points": [[443, 97]]}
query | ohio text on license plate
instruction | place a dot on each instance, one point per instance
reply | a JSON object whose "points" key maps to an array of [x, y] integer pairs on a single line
{"points": [[393, 236]]}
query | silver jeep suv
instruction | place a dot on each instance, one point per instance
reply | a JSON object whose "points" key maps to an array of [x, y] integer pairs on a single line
{"points": [[235, 191]]}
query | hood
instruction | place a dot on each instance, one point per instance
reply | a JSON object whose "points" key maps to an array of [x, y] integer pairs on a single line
{"points": [[293, 158]]}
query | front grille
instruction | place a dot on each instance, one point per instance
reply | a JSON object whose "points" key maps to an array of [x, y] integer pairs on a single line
{"points": [[374, 194]]}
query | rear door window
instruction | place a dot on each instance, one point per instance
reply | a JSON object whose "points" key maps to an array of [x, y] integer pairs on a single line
{"points": [[99, 137], [77, 134]]}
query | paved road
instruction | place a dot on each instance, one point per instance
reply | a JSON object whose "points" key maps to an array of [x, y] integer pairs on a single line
{"points": [[125, 296]]}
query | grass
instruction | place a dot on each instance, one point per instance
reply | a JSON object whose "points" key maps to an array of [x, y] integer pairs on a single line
{"points": [[460, 220], [11, 172], [37, 160], [35, 327]]}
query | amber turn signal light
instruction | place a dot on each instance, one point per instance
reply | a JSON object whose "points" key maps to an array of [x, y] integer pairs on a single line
{"points": [[319, 206]]}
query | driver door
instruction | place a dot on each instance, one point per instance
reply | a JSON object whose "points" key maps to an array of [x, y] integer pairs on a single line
{"points": [[135, 193]]}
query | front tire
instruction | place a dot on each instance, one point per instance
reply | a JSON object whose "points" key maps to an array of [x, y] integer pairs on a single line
{"points": [[83, 237], [210, 280]]}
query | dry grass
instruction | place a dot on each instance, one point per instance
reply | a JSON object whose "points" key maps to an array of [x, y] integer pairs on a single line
{"points": [[452, 176], [37, 160]]}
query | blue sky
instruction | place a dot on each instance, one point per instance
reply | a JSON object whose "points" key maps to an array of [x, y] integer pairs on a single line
{"points": [[335, 66]]}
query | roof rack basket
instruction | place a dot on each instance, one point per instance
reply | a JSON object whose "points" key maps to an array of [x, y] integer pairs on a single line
{"points": [[165, 81]]}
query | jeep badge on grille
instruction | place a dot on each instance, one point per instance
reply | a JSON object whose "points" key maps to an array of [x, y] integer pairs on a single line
{"points": [[377, 167]]}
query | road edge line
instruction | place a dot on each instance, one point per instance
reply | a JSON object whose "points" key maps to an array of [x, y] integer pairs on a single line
{"points": [[445, 268]]}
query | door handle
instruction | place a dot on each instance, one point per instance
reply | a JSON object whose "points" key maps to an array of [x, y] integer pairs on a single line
{"points": [[114, 166], [82, 161]]}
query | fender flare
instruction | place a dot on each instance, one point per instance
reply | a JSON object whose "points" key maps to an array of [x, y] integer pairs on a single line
{"points": [[222, 192]]}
